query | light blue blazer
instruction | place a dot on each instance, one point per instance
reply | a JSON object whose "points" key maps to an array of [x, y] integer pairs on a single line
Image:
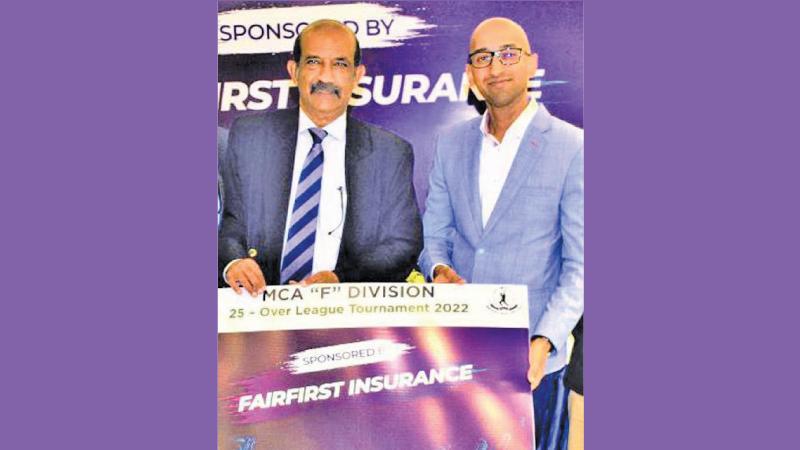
{"points": [[534, 235]]}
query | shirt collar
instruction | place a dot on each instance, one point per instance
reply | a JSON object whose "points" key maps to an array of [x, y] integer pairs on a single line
{"points": [[337, 129], [517, 129]]}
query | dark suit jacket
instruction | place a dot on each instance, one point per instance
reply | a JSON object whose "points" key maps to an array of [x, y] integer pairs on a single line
{"points": [[574, 379], [382, 233], [222, 144]]}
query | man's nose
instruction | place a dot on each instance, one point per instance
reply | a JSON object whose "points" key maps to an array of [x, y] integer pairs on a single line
{"points": [[496, 66], [326, 74]]}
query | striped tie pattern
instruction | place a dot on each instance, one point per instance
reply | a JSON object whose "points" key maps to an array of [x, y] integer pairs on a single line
{"points": [[298, 253]]}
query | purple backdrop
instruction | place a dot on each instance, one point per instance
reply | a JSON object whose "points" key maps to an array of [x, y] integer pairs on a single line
{"points": [[555, 29]]}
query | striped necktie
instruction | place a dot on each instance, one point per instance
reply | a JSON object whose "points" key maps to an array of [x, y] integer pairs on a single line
{"points": [[298, 253]]}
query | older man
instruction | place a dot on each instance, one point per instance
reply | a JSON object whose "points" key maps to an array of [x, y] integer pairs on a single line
{"points": [[505, 205], [312, 194]]}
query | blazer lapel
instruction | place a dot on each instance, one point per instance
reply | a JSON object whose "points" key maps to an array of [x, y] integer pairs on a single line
{"points": [[358, 179], [471, 178], [283, 163], [358, 143], [530, 150]]}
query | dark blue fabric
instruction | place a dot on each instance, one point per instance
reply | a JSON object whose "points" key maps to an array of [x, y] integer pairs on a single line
{"points": [[550, 412]]}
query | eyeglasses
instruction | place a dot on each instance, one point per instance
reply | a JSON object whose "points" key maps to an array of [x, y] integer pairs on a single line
{"points": [[507, 57]]}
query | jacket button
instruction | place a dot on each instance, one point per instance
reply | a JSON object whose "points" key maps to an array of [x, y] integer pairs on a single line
{"points": [[252, 253]]}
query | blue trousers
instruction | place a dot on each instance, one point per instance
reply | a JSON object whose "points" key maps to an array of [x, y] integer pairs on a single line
{"points": [[550, 412]]}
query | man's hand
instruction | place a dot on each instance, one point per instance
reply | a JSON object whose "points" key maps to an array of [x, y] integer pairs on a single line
{"points": [[537, 358], [446, 274], [246, 273], [323, 276]]}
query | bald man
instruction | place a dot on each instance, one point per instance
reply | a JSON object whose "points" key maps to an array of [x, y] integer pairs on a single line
{"points": [[313, 195], [517, 215]]}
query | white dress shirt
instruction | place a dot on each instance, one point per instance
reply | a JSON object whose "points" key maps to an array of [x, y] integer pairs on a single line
{"points": [[333, 195], [496, 158]]}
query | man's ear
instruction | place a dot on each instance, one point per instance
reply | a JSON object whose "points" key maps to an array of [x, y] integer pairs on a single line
{"points": [[361, 70], [291, 67], [533, 64]]}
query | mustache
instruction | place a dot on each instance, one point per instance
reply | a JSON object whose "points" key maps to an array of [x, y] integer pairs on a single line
{"points": [[321, 86]]}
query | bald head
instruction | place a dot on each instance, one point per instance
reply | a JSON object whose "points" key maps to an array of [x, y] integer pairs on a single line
{"points": [[501, 63], [499, 29], [322, 25]]}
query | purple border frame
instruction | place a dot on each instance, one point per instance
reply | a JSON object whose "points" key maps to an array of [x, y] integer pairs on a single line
{"points": [[109, 174]]}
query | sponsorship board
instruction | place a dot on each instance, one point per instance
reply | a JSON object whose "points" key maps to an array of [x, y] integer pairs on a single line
{"points": [[374, 366]]}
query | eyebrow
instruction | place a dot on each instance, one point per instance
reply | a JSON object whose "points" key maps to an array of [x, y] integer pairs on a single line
{"points": [[338, 58], [502, 47]]}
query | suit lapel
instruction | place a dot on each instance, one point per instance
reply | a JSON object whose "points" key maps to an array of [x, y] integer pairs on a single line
{"points": [[283, 161], [530, 150], [357, 178], [471, 178], [358, 143]]}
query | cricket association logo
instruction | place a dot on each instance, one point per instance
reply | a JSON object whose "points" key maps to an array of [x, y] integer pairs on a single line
{"points": [[500, 302], [246, 443]]}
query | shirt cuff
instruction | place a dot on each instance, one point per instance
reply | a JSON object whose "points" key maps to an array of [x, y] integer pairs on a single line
{"points": [[433, 269], [225, 270]]}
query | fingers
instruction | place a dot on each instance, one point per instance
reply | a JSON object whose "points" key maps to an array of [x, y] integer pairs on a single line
{"points": [[329, 277], [241, 278], [534, 377], [249, 287], [256, 278], [246, 274], [441, 279], [445, 274], [324, 276], [251, 281], [311, 279], [453, 276], [537, 360], [237, 280], [232, 282]]}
